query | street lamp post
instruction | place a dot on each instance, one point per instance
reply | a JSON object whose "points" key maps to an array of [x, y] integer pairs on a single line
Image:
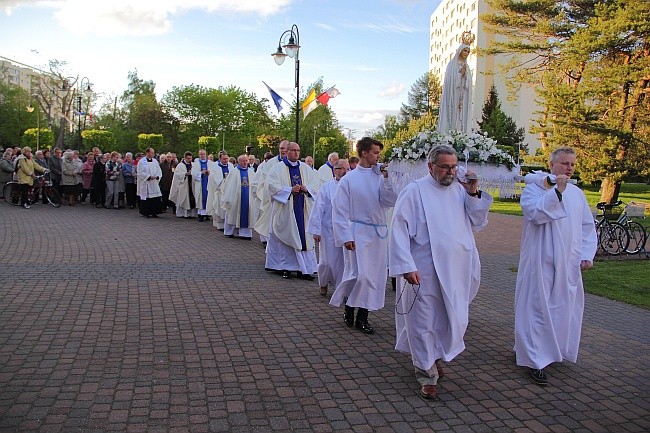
{"points": [[293, 50], [88, 92], [38, 125], [313, 150]]}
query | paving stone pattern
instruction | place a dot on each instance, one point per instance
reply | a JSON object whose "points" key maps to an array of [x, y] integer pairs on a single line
{"points": [[112, 322]]}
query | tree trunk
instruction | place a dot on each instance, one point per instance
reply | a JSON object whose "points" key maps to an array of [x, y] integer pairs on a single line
{"points": [[609, 190], [60, 138]]}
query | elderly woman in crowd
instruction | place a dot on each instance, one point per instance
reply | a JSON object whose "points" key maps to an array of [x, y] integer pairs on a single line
{"points": [[78, 166], [128, 173], [6, 170], [68, 178], [26, 170], [87, 175], [98, 183]]}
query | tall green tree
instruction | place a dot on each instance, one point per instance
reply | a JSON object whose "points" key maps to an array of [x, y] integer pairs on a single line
{"points": [[589, 60], [14, 115], [499, 125], [423, 98]]}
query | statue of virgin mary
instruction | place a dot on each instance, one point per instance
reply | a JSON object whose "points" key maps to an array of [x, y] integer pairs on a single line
{"points": [[456, 101]]}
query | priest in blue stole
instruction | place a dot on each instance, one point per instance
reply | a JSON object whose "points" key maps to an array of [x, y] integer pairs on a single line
{"points": [[239, 202], [218, 175], [200, 173], [292, 188]]}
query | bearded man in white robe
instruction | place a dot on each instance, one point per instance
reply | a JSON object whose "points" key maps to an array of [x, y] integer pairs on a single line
{"points": [[434, 256], [326, 171], [359, 223], [558, 242], [238, 200], [182, 190], [262, 225], [456, 100], [220, 169], [330, 257], [292, 186], [149, 175]]}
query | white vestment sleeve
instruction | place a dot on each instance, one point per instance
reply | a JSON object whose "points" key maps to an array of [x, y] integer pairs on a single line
{"points": [[283, 195], [403, 229], [477, 210], [589, 238], [320, 204], [341, 214], [540, 206]]}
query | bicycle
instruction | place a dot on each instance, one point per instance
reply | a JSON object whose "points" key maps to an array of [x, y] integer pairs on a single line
{"points": [[12, 192], [637, 232], [613, 237]]}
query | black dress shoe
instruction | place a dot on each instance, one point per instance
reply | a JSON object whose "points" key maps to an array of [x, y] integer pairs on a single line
{"points": [[348, 316], [248, 238], [230, 236], [286, 275], [364, 327], [201, 218]]}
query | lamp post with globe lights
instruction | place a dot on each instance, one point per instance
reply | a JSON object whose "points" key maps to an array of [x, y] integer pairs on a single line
{"points": [[83, 89], [292, 48]]}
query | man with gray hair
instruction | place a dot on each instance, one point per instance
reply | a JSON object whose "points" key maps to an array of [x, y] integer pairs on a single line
{"points": [[326, 171], [434, 257], [558, 242]]}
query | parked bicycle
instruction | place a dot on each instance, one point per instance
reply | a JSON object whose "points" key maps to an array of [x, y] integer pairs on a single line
{"points": [[613, 237], [638, 233], [12, 192]]}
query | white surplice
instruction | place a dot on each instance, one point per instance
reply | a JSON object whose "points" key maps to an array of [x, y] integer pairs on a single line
{"points": [[215, 191], [359, 215], [148, 188], [284, 248], [182, 187], [325, 174], [264, 219], [549, 298], [231, 200], [432, 234], [330, 257]]}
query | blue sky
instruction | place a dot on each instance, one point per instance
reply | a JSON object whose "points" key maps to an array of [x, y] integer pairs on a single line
{"points": [[372, 50]]}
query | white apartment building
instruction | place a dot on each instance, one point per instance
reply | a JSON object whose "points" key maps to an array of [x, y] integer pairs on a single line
{"points": [[450, 19]]}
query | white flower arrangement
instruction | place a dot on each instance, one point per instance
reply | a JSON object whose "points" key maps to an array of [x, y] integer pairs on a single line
{"points": [[474, 147]]}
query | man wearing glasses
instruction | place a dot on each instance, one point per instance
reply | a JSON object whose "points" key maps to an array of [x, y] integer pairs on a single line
{"points": [[434, 256]]}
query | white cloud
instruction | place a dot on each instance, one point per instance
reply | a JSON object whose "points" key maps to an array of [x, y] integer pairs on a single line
{"points": [[324, 26], [389, 24], [392, 91], [141, 17]]}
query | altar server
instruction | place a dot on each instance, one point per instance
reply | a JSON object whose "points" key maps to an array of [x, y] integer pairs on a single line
{"points": [[149, 175], [326, 171], [238, 200]]}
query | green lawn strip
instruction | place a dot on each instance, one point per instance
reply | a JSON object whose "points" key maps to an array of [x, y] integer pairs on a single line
{"points": [[621, 280]]}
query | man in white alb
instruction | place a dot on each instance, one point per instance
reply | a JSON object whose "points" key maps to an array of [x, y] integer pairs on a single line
{"points": [[238, 200], [330, 257], [359, 223], [263, 222], [182, 189], [434, 256], [218, 174], [326, 171], [558, 242]]}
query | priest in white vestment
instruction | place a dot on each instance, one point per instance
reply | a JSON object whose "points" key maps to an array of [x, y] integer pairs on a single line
{"points": [[218, 174], [200, 174], [434, 257], [558, 242], [239, 204], [326, 171], [148, 175], [182, 190], [263, 223], [330, 257], [360, 225], [292, 186]]}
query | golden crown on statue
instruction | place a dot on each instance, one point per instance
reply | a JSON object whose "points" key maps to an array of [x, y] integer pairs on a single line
{"points": [[468, 38]]}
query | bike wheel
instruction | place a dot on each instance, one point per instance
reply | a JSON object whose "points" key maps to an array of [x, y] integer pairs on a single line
{"points": [[12, 193], [637, 237], [614, 239], [52, 196]]}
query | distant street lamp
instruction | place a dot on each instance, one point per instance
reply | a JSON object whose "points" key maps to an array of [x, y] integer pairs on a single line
{"points": [[293, 50], [38, 124]]}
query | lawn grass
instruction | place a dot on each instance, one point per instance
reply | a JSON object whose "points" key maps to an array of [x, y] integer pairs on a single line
{"points": [[638, 192], [621, 280]]}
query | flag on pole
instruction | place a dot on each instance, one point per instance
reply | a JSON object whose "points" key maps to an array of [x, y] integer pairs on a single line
{"points": [[309, 104], [277, 99], [328, 94]]}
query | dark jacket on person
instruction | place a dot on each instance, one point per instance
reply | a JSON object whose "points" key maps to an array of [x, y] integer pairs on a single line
{"points": [[99, 176], [55, 169], [167, 176]]}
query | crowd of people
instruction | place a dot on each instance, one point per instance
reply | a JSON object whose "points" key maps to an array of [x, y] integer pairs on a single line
{"points": [[366, 232]]}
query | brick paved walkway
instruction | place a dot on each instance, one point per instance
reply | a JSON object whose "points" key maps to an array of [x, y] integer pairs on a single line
{"points": [[104, 331]]}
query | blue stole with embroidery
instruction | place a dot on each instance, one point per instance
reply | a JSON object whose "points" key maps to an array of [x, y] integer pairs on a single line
{"points": [[243, 209], [298, 201], [204, 184], [224, 169], [331, 167]]}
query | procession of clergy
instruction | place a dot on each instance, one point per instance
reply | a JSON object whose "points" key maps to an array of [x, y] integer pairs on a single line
{"points": [[428, 245]]}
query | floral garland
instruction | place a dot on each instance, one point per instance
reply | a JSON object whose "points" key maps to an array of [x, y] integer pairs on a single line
{"points": [[474, 147]]}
